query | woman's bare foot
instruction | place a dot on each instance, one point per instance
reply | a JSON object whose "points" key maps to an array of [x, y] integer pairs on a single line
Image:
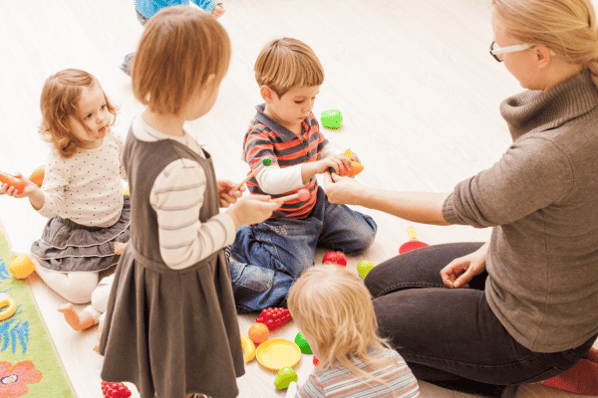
{"points": [[119, 248], [592, 355], [72, 318]]}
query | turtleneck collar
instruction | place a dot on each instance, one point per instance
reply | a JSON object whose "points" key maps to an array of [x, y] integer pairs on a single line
{"points": [[540, 111]]}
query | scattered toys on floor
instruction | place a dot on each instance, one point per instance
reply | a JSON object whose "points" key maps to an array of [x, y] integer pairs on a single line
{"points": [[274, 318], [8, 307], [115, 390], [303, 344], [364, 267], [284, 377], [21, 266], [258, 333], [331, 119], [338, 258], [413, 243]]}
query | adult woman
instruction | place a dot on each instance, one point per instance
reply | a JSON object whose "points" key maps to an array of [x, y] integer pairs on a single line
{"points": [[531, 310]]}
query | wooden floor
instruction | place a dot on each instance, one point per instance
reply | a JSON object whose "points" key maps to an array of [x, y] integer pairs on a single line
{"points": [[418, 91]]}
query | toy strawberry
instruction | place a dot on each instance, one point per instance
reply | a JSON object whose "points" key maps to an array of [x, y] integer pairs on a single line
{"points": [[115, 390], [274, 318]]}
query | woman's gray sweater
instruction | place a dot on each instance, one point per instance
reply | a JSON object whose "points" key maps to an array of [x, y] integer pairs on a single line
{"points": [[541, 198]]}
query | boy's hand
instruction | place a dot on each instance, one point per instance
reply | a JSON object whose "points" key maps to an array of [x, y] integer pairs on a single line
{"points": [[226, 195], [336, 162], [252, 209], [354, 157], [218, 11]]}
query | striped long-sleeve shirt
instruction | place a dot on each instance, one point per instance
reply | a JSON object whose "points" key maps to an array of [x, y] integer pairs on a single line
{"points": [[266, 138], [177, 197], [339, 382]]}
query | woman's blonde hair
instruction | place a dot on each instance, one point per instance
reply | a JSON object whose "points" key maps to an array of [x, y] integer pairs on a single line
{"points": [[333, 306], [180, 48], [59, 102], [287, 63], [567, 27]]}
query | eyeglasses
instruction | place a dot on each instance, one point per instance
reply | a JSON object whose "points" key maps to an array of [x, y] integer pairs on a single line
{"points": [[496, 51]]}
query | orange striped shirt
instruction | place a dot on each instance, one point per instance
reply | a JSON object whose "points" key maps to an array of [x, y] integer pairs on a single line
{"points": [[266, 138]]}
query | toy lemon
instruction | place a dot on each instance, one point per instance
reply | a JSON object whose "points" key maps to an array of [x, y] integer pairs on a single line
{"points": [[21, 266], [8, 307]]}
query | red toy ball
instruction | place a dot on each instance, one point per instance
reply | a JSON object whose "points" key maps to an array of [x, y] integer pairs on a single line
{"points": [[337, 258]]}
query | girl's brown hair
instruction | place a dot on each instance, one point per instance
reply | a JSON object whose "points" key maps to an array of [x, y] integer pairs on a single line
{"points": [[335, 308], [179, 49], [59, 102], [567, 27]]}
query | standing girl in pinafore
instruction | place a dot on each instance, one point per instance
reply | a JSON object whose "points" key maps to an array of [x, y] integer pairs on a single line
{"points": [[82, 192], [171, 325]]}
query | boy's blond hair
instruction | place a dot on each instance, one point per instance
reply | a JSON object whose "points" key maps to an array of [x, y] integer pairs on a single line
{"points": [[59, 102], [179, 49], [287, 63], [567, 27], [333, 306]]}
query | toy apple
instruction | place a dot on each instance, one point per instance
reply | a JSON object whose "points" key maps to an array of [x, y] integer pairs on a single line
{"points": [[284, 377], [337, 258], [364, 267]]}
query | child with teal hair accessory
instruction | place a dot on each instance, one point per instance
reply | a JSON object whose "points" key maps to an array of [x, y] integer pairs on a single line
{"points": [[146, 9]]}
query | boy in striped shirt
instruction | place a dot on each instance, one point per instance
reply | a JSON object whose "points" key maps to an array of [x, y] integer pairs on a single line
{"points": [[285, 131]]}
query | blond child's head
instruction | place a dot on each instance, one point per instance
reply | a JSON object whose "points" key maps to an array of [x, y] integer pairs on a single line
{"points": [[287, 63], [64, 122], [183, 53], [568, 28], [332, 307]]}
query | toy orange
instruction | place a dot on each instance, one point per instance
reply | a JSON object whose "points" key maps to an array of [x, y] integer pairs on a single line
{"points": [[21, 266], [258, 333], [37, 177]]}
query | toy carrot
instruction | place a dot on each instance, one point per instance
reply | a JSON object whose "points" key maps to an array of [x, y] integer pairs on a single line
{"points": [[12, 181]]}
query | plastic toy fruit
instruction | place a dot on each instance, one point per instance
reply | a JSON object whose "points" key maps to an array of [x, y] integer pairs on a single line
{"points": [[337, 258], [332, 119], [303, 344], [274, 318], [8, 306], [126, 191], [21, 266], [316, 361], [248, 348], [115, 390], [12, 181], [37, 177], [356, 167], [284, 377], [364, 267], [258, 333], [413, 243]]}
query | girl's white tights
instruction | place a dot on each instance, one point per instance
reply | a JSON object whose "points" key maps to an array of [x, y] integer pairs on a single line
{"points": [[75, 287]]}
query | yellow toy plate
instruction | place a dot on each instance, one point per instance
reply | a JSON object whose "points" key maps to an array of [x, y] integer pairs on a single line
{"points": [[275, 354]]}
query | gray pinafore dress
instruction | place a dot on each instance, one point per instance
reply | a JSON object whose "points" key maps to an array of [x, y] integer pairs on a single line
{"points": [[170, 332]]}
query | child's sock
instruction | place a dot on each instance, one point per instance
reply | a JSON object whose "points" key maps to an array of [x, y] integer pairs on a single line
{"points": [[580, 379]]}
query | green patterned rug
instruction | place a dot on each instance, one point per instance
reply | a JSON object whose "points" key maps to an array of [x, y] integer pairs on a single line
{"points": [[29, 363]]}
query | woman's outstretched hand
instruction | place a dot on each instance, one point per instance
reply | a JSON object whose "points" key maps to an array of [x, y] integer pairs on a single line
{"points": [[461, 270], [343, 190]]}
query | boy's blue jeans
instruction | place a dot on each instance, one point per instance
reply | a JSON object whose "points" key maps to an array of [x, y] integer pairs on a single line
{"points": [[274, 253]]}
